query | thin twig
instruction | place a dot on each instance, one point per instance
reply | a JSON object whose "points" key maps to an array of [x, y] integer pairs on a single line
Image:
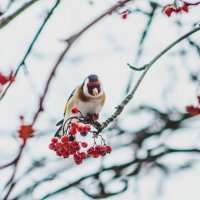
{"points": [[143, 38], [5, 20], [30, 47], [15, 163], [137, 68]]}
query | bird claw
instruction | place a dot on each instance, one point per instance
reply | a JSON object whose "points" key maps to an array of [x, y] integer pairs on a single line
{"points": [[93, 117]]}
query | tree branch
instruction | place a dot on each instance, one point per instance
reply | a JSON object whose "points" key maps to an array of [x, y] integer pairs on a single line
{"points": [[121, 106], [5, 20], [15, 163], [30, 47], [117, 169]]}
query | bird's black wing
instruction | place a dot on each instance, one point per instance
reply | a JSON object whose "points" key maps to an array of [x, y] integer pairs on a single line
{"points": [[57, 132], [61, 121]]}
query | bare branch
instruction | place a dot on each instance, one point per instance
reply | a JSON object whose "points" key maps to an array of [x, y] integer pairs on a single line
{"points": [[117, 169], [121, 106], [5, 20], [30, 47]]}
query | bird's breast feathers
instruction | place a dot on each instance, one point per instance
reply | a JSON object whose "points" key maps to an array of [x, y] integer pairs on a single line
{"points": [[85, 105]]}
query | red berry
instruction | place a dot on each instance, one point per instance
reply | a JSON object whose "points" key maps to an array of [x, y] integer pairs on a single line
{"points": [[74, 144], [86, 128], [66, 146], [75, 110], [72, 151], [108, 149], [124, 15], [90, 151], [54, 140], [103, 150], [177, 10], [78, 147], [64, 139], [97, 148], [80, 129], [52, 146], [95, 154], [83, 155], [59, 146], [58, 153], [78, 162], [75, 124], [193, 110], [62, 151], [168, 10], [66, 155], [84, 144], [77, 157], [185, 8], [72, 131], [189, 108]]}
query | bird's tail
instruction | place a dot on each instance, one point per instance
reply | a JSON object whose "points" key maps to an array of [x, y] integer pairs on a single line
{"points": [[59, 131]]}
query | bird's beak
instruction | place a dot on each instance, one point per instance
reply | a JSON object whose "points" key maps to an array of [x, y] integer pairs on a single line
{"points": [[95, 92]]}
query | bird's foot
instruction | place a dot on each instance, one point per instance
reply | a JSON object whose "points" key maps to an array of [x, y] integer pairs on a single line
{"points": [[93, 120], [94, 117]]}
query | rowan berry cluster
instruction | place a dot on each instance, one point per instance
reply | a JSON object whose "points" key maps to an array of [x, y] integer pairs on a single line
{"points": [[178, 7], [68, 144], [194, 110], [169, 9], [99, 150]]}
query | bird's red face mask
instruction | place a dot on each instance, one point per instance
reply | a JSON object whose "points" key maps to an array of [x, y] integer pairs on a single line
{"points": [[94, 88]]}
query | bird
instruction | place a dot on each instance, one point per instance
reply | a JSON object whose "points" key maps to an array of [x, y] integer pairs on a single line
{"points": [[89, 97]]}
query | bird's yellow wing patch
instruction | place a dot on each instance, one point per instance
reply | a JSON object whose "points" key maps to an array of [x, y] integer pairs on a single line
{"points": [[65, 108], [69, 102], [69, 105]]}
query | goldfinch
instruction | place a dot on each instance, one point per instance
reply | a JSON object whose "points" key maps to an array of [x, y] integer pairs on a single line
{"points": [[89, 98]]}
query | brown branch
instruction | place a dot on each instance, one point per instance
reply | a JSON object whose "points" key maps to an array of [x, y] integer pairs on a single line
{"points": [[14, 160], [5, 20], [15, 163], [118, 169]]}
